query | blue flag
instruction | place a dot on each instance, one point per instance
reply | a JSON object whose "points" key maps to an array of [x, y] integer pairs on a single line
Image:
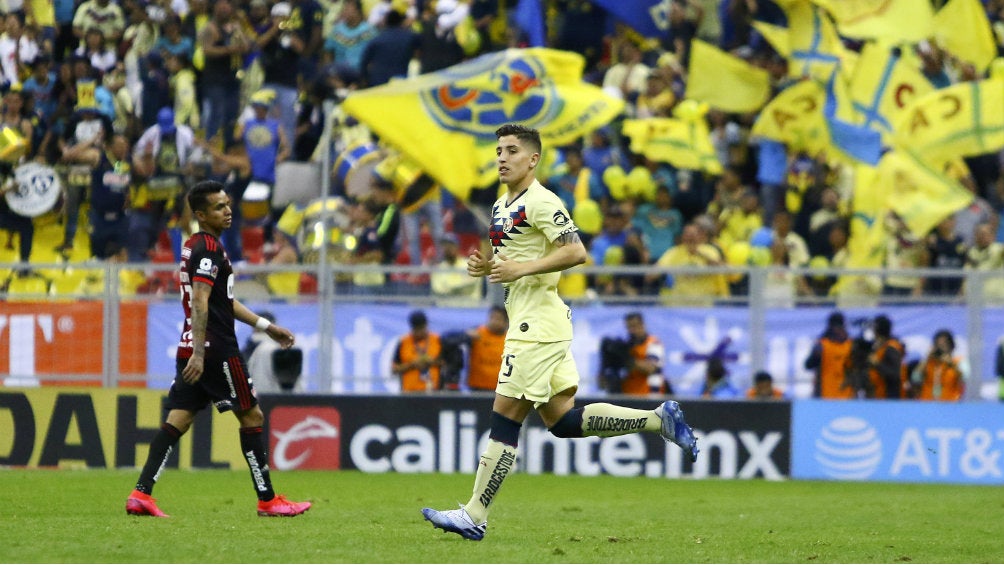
{"points": [[648, 17], [529, 17], [860, 142]]}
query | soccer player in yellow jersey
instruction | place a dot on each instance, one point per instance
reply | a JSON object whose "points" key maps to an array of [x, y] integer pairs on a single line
{"points": [[533, 239]]}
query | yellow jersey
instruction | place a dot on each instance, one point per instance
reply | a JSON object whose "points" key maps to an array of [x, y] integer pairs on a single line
{"points": [[524, 230]]}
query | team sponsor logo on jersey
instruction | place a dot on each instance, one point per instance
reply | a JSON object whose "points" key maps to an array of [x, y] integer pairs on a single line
{"points": [[305, 437], [206, 267], [560, 218]]}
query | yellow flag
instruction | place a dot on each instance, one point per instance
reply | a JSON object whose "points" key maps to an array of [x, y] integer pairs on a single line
{"points": [[959, 121], [896, 20], [920, 194], [685, 144], [777, 36], [816, 49], [867, 235], [795, 118], [882, 85], [446, 120], [725, 82], [962, 27]]}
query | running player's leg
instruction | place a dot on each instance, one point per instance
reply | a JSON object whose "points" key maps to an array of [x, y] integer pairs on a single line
{"points": [[606, 420]]}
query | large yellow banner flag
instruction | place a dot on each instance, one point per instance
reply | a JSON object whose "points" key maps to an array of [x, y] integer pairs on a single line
{"points": [[882, 85], [685, 144], [962, 27], [920, 194], [896, 20], [776, 35], [725, 81], [816, 49], [795, 118], [959, 121], [446, 120]]}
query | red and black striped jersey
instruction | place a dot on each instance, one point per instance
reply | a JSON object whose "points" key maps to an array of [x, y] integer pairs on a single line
{"points": [[203, 260]]}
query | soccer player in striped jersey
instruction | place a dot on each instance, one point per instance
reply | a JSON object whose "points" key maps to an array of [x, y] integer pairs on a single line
{"points": [[209, 366]]}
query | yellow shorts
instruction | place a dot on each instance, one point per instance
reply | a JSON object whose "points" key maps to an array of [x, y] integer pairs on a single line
{"points": [[536, 371]]}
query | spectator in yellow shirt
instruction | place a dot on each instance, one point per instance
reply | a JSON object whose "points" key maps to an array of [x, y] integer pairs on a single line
{"points": [[693, 288]]}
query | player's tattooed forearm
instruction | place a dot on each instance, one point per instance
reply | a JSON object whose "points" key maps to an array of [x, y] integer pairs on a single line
{"points": [[566, 238]]}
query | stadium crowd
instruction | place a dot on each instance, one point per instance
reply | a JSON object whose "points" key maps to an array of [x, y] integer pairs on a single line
{"points": [[153, 94]]}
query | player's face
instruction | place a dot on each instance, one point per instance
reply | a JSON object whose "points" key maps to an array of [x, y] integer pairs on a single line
{"points": [[515, 161], [216, 217]]}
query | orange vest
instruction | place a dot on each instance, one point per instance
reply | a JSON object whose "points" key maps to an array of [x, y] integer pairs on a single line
{"points": [[833, 369], [774, 394], [877, 381], [486, 360], [410, 350], [636, 382], [941, 381]]}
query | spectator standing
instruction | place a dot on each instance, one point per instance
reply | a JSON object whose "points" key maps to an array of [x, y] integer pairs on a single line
{"points": [[692, 288], [417, 357], [390, 52], [903, 251], [628, 77], [65, 40], [173, 41], [281, 50], [829, 360], [17, 49], [987, 255], [95, 48], [86, 127], [110, 183], [223, 45], [659, 222], [438, 47], [183, 90], [449, 281], [947, 250], [306, 22], [350, 36], [266, 146], [102, 14], [942, 375], [160, 158], [41, 85]]}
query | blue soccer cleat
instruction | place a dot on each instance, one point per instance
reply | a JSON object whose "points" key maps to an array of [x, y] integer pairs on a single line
{"points": [[456, 521], [676, 430]]}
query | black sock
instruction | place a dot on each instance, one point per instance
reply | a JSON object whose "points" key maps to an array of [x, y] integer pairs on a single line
{"points": [[253, 448], [160, 449]]}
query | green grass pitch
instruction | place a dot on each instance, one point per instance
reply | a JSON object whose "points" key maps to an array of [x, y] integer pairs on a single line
{"points": [[56, 516]]}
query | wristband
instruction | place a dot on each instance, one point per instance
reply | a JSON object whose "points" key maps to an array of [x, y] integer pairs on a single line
{"points": [[262, 324]]}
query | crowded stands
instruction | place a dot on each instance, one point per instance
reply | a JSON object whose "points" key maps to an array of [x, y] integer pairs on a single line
{"points": [[120, 105]]}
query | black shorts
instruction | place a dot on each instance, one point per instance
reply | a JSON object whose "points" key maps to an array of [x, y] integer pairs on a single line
{"points": [[225, 383]]}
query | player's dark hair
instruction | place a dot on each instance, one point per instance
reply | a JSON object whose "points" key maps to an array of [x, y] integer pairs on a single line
{"points": [[633, 316], [522, 133], [198, 195]]}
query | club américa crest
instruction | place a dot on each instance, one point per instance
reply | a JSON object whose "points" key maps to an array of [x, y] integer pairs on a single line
{"points": [[491, 91]]}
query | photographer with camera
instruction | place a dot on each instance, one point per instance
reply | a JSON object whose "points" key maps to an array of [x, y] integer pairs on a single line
{"points": [[634, 365], [830, 358], [886, 373], [941, 376]]}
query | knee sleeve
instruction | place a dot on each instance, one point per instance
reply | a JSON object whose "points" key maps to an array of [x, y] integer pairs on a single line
{"points": [[570, 425], [504, 430]]}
